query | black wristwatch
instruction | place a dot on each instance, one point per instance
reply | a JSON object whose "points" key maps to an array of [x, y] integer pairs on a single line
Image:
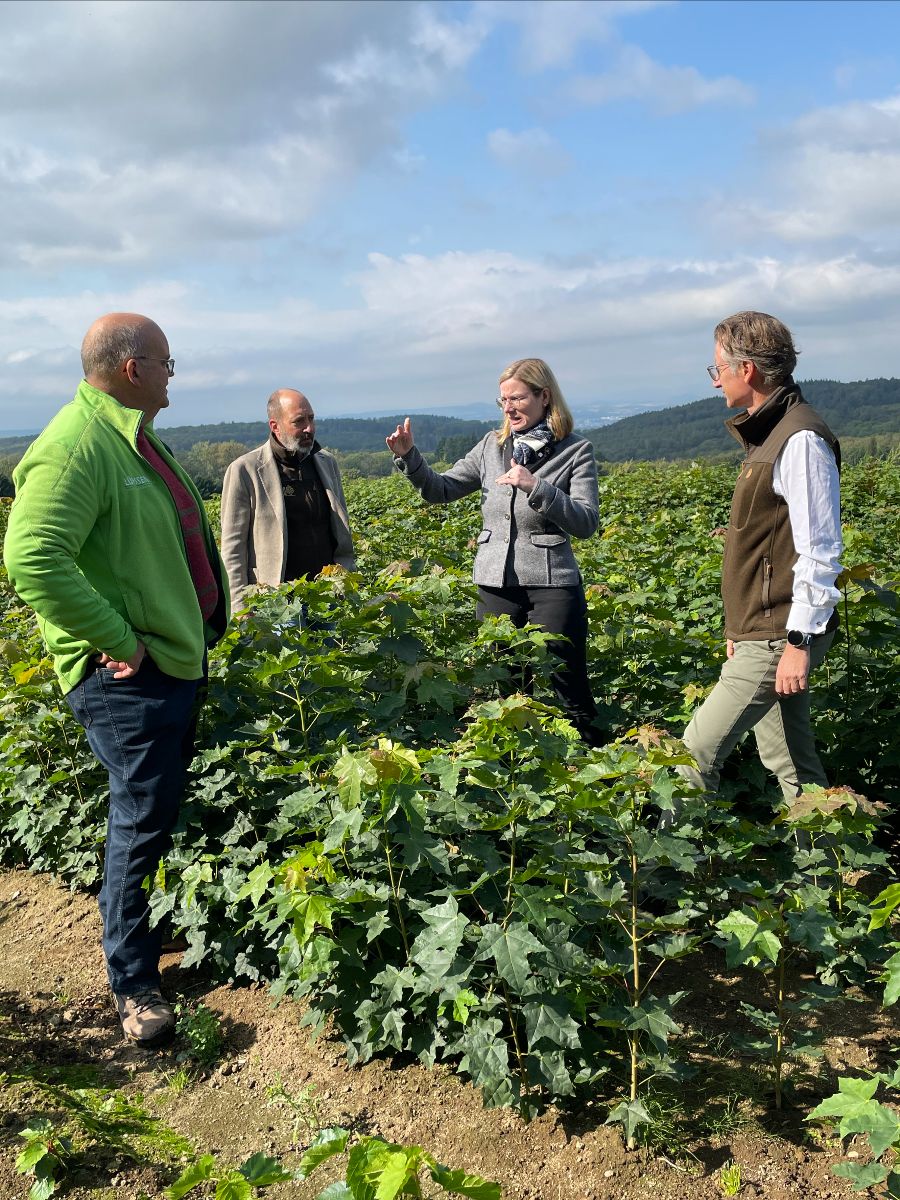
{"points": [[796, 638]]}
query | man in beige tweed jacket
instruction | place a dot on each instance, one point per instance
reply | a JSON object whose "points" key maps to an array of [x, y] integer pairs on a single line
{"points": [[284, 515]]}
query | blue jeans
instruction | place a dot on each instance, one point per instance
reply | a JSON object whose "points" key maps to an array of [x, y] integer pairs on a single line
{"points": [[142, 731]]}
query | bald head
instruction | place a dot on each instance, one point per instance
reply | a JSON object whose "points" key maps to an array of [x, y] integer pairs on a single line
{"points": [[112, 340], [279, 398], [126, 356]]}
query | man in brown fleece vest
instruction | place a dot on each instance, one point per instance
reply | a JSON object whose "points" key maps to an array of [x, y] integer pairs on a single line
{"points": [[780, 563]]}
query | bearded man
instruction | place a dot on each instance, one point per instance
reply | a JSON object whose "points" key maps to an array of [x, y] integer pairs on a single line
{"points": [[284, 515]]}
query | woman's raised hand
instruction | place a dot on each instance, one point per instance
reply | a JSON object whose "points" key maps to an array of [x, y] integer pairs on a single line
{"points": [[401, 441]]}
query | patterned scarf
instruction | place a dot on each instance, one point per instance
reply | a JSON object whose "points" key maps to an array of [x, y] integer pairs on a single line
{"points": [[534, 445]]}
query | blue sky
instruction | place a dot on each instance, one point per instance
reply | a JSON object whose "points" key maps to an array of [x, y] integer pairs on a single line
{"points": [[384, 203]]}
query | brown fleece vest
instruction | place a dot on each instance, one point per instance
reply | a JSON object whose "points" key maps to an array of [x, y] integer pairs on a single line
{"points": [[758, 564]]}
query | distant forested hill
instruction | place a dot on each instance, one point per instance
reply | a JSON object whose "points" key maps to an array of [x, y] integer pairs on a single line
{"points": [[338, 433], [865, 409], [206, 450]]}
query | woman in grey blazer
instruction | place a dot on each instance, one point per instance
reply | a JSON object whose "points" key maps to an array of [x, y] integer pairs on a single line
{"points": [[538, 486]]}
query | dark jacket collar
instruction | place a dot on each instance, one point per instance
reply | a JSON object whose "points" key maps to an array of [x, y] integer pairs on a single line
{"points": [[752, 429]]}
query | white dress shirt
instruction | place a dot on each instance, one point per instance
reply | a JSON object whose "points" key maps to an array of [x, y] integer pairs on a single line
{"points": [[805, 475]]}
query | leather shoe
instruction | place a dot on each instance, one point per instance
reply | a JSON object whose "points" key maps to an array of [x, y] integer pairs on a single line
{"points": [[147, 1018]]}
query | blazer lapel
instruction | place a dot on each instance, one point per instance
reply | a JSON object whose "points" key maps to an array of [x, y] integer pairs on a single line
{"points": [[323, 470], [270, 482]]}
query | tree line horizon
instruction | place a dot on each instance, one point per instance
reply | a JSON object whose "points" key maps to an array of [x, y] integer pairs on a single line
{"points": [[865, 415]]}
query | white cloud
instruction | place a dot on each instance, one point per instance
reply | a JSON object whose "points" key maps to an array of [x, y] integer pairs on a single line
{"points": [[430, 329], [447, 41], [835, 175], [857, 126], [203, 123], [456, 302], [552, 31], [636, 76], [185, 165], [532, 152], [417, 304]]}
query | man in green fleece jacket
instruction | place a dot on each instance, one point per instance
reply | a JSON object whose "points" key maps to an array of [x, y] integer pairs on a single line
{"points": [[109, 542]]}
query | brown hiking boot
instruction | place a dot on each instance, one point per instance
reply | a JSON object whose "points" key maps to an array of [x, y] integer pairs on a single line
{"points": [[147, 1018]]}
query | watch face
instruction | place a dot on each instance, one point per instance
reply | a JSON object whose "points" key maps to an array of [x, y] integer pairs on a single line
{"points": [[798, 639]]}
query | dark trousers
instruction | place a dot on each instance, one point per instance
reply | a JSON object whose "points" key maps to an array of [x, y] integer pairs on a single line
{"points": [[142, 731], [558, 610]]}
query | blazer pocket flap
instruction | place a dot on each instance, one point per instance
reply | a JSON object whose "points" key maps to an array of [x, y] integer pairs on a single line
{"points": [[484, 536], [548, 539]]}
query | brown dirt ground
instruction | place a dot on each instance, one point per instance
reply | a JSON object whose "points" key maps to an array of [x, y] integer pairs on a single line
{"points": [[54, 1009]]}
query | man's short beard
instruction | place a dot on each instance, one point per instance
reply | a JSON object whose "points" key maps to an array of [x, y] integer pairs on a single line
{"points": [[293, 445]]}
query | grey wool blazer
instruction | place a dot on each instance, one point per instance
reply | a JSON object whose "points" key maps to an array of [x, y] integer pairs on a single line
{"points": [[525, 538], [254, 528]]}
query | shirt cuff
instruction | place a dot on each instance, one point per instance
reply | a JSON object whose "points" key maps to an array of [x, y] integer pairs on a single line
{"points": [[806, 619]]}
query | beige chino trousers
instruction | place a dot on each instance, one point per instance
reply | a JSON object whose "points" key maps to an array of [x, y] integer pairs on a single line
{"points": [[743, 699]]}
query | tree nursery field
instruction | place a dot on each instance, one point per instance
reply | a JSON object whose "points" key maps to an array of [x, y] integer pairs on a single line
{"points": [[488, 950]]}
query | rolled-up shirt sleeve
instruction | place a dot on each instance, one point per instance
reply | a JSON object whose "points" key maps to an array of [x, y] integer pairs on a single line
{"points": [[806, 476]]}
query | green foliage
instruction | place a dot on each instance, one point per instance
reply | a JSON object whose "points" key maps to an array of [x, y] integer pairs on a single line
{"points": [[855, 1110], [179, 1079], [812, 911], [5, 505], [45, 1156], [365, 464], [52, 791], [380, 821], [730, 1178], [94, 1121], [378, 1170], [206, 463], [201, 1029], [7, 488], [864, 414], [303, 1105], [346, 434], [240, 1183]]}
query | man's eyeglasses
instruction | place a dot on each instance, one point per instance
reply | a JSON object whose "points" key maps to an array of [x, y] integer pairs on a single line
{"points": [[168, 363], [715, 371], [515, 401]]}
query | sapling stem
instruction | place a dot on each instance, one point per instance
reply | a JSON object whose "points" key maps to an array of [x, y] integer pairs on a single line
{"points": [[512, 872], [635, 982], [847, 642], [394, 892], [779, 1032], [520, 1061], [71, 760]]}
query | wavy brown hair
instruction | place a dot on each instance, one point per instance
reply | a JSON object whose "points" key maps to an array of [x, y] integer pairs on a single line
{"points": [[761, 339]]}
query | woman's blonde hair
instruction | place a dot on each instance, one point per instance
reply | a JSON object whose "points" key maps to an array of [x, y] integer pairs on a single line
{"points": [[537, 375]]}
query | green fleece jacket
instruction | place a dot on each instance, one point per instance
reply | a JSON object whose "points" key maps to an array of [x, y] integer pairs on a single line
{"points": [[95, 546]]}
